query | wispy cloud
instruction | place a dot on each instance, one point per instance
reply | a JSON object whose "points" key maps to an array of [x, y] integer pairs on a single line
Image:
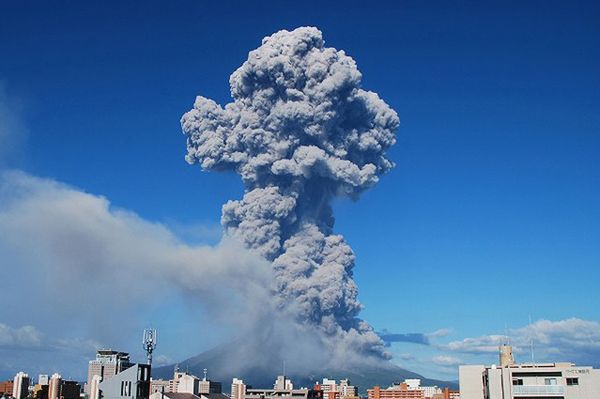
{"points": [[30, 338], [24, 337], [571, 339], [482, 344], [444, 360]]}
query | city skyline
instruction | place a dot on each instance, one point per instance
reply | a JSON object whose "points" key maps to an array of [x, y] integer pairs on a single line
{"points": [[489, 219]]}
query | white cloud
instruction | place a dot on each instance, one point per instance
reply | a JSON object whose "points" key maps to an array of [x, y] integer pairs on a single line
{"points": [[162, 360], [405, 356], [571, 339], [22, 337], [442, 332], [443, 360], [483, 344]]}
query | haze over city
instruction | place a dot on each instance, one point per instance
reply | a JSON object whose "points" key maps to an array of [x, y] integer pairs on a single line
{"points": [[398, 183]]}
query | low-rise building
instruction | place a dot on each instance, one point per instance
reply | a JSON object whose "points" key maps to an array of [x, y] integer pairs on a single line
{"points": [[160, 386], [410, 388], [332, 390], [528, 380], [6, 388], [131, 383], [283, 388], [176, 395], [184, 382], [397, 391]]}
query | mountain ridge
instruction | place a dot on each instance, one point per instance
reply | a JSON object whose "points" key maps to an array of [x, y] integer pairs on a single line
{"points": [[218, 361]]}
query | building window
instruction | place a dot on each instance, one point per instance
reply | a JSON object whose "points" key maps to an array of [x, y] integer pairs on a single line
{"points": [[572, 381], [517, 381], [549, 381]]}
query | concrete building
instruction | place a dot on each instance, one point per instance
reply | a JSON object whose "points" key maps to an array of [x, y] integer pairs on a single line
{"points": [[524, 381], [206, 386], [347, 390], [43, 379], [175, 395], [238, 389], [283, 383], [131, 383], [6, 388], [414, 384], [409, 389], [183, 382], [107, 364], [397, 391], [330, 389], [62, 389], [159, 386], [283, 388], [173, 384], [187, 383], [54, 386], [20, 385], [449, 394], [94, 387]]}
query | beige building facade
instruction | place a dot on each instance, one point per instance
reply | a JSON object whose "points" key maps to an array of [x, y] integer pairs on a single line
{"points": [[525, 381]]}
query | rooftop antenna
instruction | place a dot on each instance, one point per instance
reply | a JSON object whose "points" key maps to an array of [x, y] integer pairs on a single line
{"points": [[284, 367], [205, 371], [531, 340], [149, 340]]}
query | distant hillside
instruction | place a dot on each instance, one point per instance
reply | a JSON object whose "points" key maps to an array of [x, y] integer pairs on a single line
{"points": [[218, 363]]}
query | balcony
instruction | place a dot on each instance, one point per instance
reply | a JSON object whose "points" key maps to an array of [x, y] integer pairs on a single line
{"points": [[528, 390]]}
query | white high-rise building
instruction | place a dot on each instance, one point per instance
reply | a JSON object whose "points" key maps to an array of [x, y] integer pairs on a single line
{"points": [[283, 383], [43, 379], [238, 389], [108, 363], [329, 388], [533, 380], [20, 385], [94, 388], [347, 390], [54, 386]]}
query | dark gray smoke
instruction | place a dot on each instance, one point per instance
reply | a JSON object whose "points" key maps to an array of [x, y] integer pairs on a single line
{"points": [[300, 131]]}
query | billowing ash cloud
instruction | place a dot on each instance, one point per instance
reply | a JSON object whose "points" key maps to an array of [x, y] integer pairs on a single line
{"points": [[300, 131]]}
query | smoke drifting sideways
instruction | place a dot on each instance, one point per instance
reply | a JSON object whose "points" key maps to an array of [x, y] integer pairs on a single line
{"points": [[300, 131]]}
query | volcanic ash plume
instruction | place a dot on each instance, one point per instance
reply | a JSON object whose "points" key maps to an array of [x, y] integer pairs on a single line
{"points": [[300, 131]]}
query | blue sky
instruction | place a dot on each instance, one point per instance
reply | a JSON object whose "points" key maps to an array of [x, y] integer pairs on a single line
{"points": [[491, 215]]}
